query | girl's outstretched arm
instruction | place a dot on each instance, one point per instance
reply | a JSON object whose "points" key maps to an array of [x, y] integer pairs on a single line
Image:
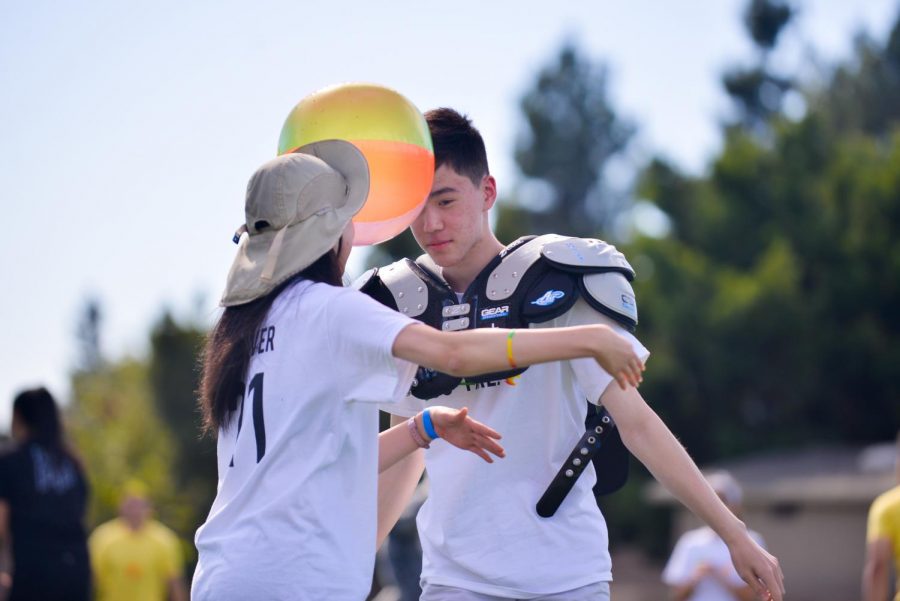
{"points": [[487, 350]]}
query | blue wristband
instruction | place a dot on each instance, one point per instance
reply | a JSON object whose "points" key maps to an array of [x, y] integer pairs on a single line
{"points": [[429, 426]]}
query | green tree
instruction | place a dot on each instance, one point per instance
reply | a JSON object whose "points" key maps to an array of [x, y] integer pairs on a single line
{"points": [[572, 132], [118, 434], [136, 419], [90, 352], [174, 381], [765, 21], [757, 91], [863, 95], [769, 305]]}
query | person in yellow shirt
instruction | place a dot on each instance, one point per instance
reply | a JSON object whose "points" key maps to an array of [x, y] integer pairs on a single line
{"points": [[883, 542], [134, 557]]}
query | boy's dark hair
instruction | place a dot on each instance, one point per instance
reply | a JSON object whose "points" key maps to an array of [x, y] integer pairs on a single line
{"points": [[457, 143]]}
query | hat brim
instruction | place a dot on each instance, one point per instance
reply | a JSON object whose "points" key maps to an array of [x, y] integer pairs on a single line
{"points": [[302, 243], [349, 161]]}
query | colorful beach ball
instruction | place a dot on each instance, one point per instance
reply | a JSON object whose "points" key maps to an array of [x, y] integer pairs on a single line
{"points": [[391, 133]]}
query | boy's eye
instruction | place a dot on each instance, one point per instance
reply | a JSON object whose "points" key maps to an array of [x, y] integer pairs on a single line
{"points": [[445, 201]]}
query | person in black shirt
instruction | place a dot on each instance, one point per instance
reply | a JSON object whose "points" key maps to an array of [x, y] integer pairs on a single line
{"points": [[43, 496]]}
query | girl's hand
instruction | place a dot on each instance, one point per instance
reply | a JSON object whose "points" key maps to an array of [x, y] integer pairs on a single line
{"points": [[456, 427], [615, 354]]}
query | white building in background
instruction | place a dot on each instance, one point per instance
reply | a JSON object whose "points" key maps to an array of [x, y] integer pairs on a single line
{"points": [[810, 506]]}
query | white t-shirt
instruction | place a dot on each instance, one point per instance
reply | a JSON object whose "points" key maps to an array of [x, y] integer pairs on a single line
{"points": [[295, 513], [703, 546], [479, 527]]}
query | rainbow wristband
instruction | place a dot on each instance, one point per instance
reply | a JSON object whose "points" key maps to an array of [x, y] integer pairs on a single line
{"points": [[509, 353], [429, 426]]}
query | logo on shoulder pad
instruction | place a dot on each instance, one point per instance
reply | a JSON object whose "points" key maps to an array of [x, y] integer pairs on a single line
{"points": [[548, 298], [495, 312]]}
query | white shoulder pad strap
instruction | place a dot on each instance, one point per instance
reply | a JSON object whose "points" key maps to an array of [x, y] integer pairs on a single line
{"points": [[409, 291], [614, 292], [506, 276], [586, 253]]}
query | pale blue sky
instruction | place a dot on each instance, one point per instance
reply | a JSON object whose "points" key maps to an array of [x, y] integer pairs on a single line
{"points": [[128, 130]]}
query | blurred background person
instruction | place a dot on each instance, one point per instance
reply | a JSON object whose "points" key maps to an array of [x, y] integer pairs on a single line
{"points": [[700, 567], [883, 542], [43, 495], [135, 557]]}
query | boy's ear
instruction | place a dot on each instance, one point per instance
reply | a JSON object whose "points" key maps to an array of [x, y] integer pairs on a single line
{"points": [[489, 189]]}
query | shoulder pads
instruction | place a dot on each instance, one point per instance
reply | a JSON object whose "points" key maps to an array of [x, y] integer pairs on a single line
{"points": [[586, 255], [364, 280], [578, 255], [543, 265], [369, 283], [610, 293], [605, 275], [505, 278], [408, 289], [399, 286]]}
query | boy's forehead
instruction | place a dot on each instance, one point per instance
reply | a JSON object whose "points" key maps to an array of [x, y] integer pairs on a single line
{"points": [[439, 190], [448, 179]]}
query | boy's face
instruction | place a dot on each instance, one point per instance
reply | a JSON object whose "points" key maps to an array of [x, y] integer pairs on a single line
{"points": [[454, 218]]}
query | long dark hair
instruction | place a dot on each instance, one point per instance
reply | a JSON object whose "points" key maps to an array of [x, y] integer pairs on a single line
{"points": [[226, 354], [38, 411]]}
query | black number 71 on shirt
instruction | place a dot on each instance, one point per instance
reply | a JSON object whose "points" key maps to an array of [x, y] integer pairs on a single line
{"points": [[259, 427]]}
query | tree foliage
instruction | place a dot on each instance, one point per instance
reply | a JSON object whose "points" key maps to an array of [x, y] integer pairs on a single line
{"points": [[119, 436], [137, 419], [87, 333], [863, 95], [769, 308], [174, 381], [765, 20], [572, 133], [756, 90]]}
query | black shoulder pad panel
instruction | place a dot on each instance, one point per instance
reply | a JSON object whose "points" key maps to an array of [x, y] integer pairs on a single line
{"points": [[549, 294], [370, 284]]}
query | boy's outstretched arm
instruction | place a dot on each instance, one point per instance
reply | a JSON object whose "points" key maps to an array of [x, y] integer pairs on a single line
{"points": [[651, 441]]}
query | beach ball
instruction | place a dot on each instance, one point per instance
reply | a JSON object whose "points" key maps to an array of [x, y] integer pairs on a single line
{"points": [[393, 136]]}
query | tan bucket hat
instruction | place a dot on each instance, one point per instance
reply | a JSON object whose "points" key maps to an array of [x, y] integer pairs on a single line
{"points": [[296, 209]]}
